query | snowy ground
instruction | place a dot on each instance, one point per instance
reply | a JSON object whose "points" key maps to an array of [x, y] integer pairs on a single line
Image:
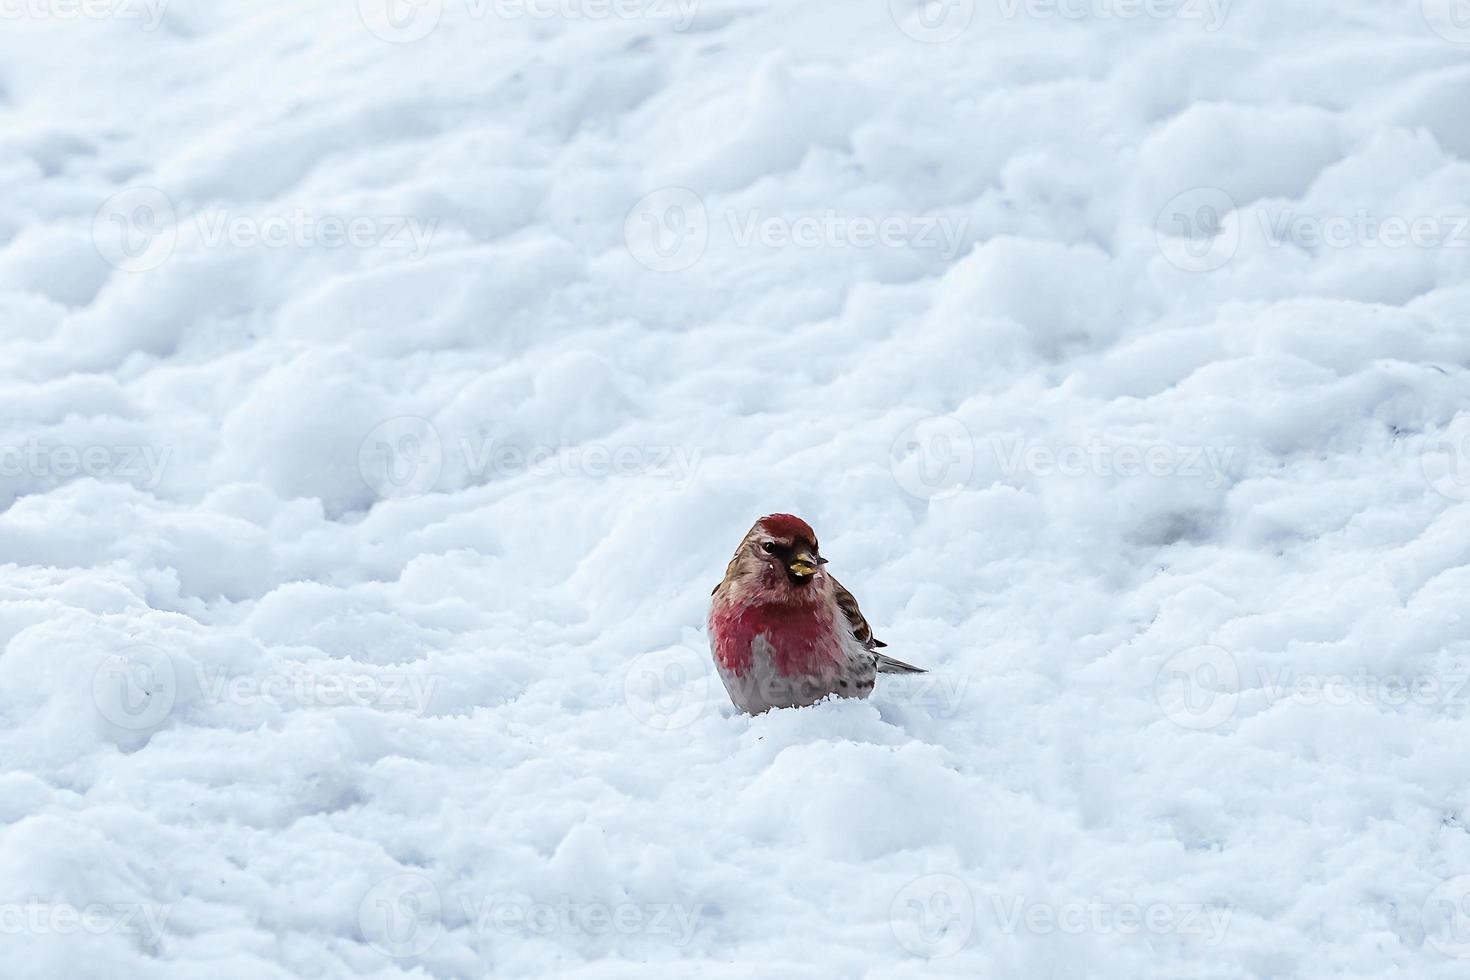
{"points": [[385, 388]]}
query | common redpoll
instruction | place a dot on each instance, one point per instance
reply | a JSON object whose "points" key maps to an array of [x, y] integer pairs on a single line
{"points": [[785, 633]]}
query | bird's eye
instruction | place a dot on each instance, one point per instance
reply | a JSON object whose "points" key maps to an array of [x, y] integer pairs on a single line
{"points": [[769, 547]]}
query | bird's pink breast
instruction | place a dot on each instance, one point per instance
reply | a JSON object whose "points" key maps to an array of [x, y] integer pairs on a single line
{"points": [[801, 636]]}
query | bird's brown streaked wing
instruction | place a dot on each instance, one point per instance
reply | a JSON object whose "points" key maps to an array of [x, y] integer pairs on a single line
{"points": [[864, 634], [855, 619]]}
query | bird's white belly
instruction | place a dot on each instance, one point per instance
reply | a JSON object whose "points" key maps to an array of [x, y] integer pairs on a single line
{"points": [[762, 686]]}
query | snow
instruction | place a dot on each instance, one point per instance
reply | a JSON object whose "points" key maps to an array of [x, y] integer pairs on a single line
{"points": [[384, 389]]}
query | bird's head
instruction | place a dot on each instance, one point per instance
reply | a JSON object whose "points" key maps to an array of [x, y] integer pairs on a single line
{"points": [[781, 552]]}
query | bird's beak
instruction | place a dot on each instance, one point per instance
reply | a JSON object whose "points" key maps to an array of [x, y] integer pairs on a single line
{"points": [[804, 564]]}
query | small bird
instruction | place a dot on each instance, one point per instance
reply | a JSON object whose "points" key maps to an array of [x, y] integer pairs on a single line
{"points": [[785, 633]]}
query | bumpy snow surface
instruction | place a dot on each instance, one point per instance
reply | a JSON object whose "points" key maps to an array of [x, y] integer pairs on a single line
{"points": [[386, 386]]}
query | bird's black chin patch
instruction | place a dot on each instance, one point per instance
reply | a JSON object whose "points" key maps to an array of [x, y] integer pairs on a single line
{"points": [[797, 581]]}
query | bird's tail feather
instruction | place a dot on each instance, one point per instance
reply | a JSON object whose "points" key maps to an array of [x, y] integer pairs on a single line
{"points": [[888, 665]]}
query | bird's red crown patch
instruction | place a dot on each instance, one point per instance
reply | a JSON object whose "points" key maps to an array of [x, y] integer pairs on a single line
{"points": [[788, 526]]}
